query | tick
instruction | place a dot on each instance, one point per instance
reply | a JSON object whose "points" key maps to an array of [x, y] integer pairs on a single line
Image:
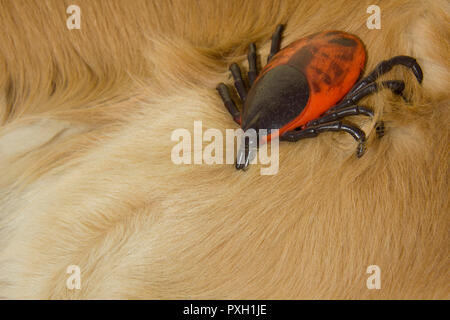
{"points": [[307, 88]]}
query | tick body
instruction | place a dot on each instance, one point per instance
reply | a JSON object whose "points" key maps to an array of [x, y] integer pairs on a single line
{"points": [[307, 87]]}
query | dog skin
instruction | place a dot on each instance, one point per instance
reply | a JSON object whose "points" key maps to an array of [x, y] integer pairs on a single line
{"points": [[86, 118]]}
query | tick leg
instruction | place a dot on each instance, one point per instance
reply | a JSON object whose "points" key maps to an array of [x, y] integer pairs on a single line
{"points": [[385, 66], [311, 132], [276, 41], [379, 128], [396, 86], [341, 113], [252, 68], [238, 82], [228, 102]]}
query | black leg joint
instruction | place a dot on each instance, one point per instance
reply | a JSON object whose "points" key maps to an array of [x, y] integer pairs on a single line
{"points": [[276, 41], [238, 82], [311, 132], [228, 102], [342, 113], [385, 66], [252, 68], [380, 129]]}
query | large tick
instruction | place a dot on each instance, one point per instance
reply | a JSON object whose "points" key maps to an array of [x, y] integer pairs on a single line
{"points": [[306, 88]]}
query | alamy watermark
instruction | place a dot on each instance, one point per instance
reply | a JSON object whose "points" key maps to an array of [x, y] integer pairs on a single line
{"points": [[74, 20], [374, 20], [252, 147], [74, 280], [374, 280]]}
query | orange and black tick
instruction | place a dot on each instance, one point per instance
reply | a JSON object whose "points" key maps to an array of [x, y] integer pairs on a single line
{"points": [[307, 87]]}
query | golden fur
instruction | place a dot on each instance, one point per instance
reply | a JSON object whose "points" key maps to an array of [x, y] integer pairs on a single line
{"points": [[86, 176]]}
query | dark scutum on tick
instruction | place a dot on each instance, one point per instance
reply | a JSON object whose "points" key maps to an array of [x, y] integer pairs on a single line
{"points": [[308, 87], [286, 86]]}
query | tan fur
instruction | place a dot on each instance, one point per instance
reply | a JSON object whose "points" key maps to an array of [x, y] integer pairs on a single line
{"points": [[86, 176]]}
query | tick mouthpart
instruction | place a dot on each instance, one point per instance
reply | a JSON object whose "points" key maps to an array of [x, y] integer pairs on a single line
{"points": [[246, 152]]}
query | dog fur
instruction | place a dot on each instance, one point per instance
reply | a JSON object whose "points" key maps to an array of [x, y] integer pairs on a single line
{"points": [[86, 118]]}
